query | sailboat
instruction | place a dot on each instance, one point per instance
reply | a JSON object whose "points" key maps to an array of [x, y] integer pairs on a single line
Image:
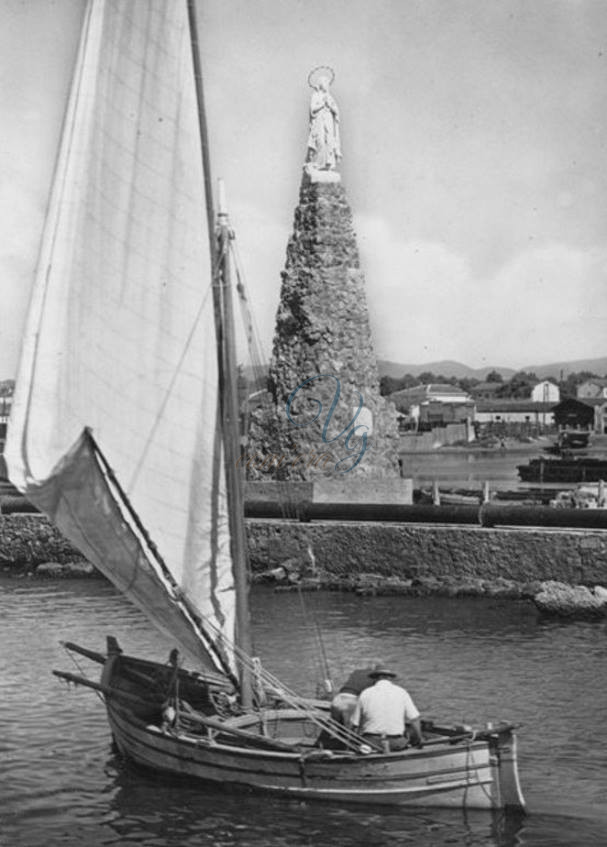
{"points": [[124, 433]]}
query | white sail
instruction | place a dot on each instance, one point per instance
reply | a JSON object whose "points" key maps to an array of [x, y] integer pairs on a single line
{"points": [[120, 335]]}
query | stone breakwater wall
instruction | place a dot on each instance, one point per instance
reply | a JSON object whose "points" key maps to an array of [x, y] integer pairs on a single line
{"points": [[345, 551], [413, 552]]}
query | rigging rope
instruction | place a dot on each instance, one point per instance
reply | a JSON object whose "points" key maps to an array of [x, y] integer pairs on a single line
{"points": [[288, 498], [348, 737], [81, 670]]}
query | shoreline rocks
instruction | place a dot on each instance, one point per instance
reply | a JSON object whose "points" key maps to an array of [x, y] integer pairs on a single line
{"points": [[54, 570], [288, 578], [571, 601]]}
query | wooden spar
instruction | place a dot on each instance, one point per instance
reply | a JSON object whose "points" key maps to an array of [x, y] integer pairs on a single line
{"points": [[194, 717], [224, 327], [203, 720], [90, 654], [104, 689], [231, 443]]}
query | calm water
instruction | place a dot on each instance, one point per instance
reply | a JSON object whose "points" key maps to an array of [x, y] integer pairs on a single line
{"points": [[467, 469], [61, 783]]}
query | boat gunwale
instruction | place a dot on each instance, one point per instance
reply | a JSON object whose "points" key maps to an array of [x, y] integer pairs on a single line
{"points": [[312, 755]]}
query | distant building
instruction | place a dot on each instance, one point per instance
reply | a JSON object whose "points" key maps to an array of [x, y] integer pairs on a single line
{"points": [[7, 388], [545, 392], [507, 411], [591, 388], [436, 392], [436, 404], [436, 413], [485, 390], [589, 414]]}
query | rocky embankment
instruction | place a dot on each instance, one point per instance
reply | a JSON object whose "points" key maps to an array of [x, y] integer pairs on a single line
{"points": [[571, 601], [550, 597], [31, 546]]}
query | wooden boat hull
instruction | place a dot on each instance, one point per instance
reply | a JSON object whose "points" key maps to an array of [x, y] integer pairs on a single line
{"points": [[471, 774]]}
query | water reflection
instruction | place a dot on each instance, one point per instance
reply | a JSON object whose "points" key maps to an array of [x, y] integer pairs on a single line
{"points": [[467, 469], [190, 816]]}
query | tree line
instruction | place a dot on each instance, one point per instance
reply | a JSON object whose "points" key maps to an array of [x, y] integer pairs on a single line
{"points": [[518, 386]]}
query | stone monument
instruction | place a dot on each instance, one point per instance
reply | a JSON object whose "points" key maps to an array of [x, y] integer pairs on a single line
{"points": [[323, 415]]}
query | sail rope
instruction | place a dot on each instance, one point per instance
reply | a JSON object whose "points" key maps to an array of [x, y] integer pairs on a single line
{"points": [[322, 659], [251, 330], [259, 376], [274, 685], [287, 503]]}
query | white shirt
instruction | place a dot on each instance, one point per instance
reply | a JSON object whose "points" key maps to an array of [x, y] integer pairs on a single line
{"points": [[383, 709]]}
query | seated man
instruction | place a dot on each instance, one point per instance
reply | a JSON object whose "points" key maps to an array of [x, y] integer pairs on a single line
{"points": [[344, 702], [384, 710], [343, 706]]}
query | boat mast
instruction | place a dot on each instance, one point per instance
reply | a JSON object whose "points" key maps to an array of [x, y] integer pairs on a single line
{"points": [[224, 326], [231, 444]]}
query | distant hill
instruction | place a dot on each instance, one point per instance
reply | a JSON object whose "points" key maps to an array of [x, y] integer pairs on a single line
{"points": [[597, 366], [447, 367]]}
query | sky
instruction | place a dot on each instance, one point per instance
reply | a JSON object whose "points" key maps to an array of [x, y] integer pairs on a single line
{"points": [[474, 135]]}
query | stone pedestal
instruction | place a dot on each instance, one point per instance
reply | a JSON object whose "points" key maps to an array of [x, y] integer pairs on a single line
{"points": [[323, 413]]}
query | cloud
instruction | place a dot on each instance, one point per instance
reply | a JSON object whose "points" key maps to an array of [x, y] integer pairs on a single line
{"points": [[22, 227], [546, 303], [261, 241]]}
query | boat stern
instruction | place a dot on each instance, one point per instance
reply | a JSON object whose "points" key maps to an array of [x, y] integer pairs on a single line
{"points": [[503, 749]]}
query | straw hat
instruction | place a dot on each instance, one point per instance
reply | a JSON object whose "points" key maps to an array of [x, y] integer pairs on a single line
{"points": [[381, 670]]}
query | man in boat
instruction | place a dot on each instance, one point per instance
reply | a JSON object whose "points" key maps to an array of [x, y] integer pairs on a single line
{"points": [[385, 711], [343, 706], [345, 701]]}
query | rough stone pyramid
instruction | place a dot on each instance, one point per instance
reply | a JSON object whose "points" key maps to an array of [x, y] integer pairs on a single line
{"points": [[322, 335]]}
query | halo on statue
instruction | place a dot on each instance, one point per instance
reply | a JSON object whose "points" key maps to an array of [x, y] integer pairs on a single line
{"points": [[318, 73]]}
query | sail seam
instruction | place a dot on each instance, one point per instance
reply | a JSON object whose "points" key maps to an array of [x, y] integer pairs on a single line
{"points": [[165, 399]]}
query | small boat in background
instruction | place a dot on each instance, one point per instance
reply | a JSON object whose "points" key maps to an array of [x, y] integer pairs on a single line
{"points": [[586, 496], [565, 469]]}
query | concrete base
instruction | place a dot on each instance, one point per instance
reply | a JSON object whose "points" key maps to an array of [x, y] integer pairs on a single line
{"points": [[392, 490], [387, 490], [316, 175]]}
